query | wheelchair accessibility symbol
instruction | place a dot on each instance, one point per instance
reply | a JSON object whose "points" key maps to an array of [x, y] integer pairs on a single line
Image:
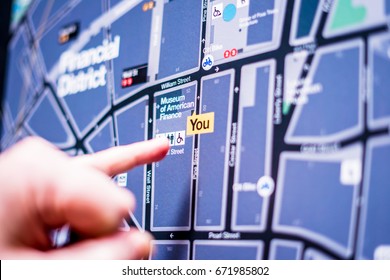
{"points": [[217, 11], [179, 138], [176, 138], [207, 62]]}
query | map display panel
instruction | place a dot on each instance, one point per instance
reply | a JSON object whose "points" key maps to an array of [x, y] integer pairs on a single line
{"points": [[277, 114]]}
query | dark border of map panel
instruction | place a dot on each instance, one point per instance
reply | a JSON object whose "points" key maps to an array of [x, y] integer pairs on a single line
{"points": [[253, 184], [131, 125], [46, 120], [378, 81], [101, 138], [227, 250], [305, 22], [254, 31], [170, 250], [331, 103], [374, 226], [316, 197], [173, 177], [214, 148], [282, 249], [348, 18]]}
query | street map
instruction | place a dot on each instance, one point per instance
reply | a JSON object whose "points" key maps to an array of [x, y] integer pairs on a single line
{"points": [[277, 114]]}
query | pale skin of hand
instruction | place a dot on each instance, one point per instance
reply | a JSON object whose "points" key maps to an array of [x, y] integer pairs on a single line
{"points": [[42, 188]]}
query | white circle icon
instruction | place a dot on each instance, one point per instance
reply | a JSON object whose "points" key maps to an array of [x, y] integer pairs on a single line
{"points": [[207, 62], [265, 186]]}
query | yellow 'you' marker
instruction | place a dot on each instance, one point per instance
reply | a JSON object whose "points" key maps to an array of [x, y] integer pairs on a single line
{"points": [[200, 124]]}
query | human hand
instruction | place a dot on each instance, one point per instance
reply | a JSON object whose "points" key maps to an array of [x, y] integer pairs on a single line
{"points": [[42, 188]]}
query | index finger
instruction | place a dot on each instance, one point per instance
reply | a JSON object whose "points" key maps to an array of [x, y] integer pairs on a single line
{"points": [[122, 158]]}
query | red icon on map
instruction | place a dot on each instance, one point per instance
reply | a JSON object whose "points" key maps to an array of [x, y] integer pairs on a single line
{"points": [[230, 53], [126, 82]]}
